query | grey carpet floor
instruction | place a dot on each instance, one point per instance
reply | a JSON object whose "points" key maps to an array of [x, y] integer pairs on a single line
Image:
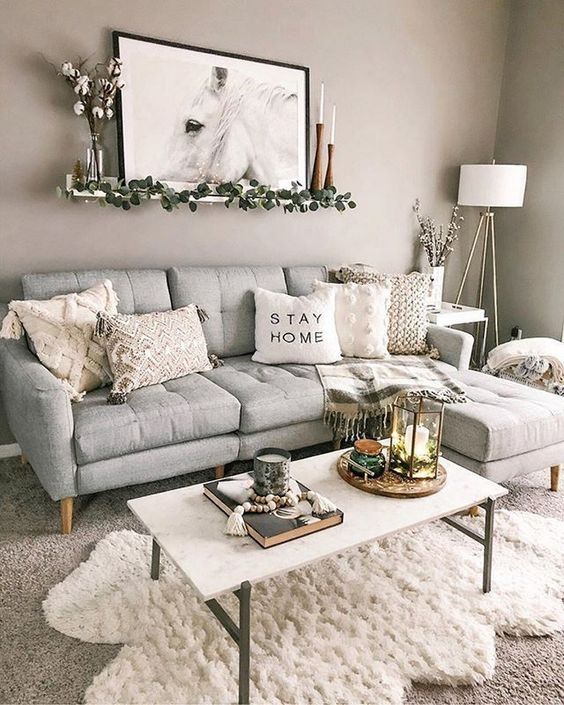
{"points": [[40, 665]]}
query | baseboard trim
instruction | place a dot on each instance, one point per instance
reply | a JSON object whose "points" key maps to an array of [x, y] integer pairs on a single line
{"points": [[10, 450]]}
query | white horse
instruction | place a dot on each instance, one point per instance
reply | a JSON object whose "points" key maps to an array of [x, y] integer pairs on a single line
{"points": [[236, 128]]}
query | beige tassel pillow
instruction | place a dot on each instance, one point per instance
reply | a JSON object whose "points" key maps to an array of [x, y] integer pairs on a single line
{"points": [[61, 330], [151, 348]]}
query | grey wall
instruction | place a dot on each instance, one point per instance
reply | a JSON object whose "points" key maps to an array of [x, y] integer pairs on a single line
{"points": [[417, 84], [531, 131]]}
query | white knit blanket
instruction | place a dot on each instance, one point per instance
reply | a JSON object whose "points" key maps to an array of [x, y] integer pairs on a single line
{"points": [[517, 351]]}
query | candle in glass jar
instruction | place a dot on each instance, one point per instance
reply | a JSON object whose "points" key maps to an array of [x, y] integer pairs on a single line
{"points": [[421, 439], [271, 458], [271, 468]]}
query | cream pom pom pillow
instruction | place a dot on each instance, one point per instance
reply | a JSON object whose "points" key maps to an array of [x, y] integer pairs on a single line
{"points": [[407, 313], [361, 317], [61, 330], [296, 329]]}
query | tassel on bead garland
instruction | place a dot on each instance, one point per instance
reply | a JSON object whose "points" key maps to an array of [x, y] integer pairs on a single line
{"points": [[11, 327], [320, 504], [235, 524]]}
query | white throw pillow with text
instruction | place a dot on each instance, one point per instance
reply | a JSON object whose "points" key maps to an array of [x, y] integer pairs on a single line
{"points": [[296, 329]]}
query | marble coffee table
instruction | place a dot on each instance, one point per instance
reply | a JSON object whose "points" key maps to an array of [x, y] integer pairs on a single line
{"points": [[189, 529]]}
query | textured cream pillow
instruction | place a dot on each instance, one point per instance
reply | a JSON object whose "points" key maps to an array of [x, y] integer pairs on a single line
{"points": [[407, 313], [361, 316], [151, 348], [61, 330], [296, 329]]}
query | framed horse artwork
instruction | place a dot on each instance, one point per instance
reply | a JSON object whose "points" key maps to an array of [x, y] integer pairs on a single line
{"points": [[188, 115]]}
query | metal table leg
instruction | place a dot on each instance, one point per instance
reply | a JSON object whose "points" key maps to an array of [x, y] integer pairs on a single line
{"points": [[488, 545], [244, 641], [155, 560], [241, 635], [486, 540]]}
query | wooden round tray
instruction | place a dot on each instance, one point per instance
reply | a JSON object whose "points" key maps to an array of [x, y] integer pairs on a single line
{"points": [[391, 484]]}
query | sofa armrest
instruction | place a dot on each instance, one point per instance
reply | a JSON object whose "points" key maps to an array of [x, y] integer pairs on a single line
{"points": [[39, 415], [454, 346]]}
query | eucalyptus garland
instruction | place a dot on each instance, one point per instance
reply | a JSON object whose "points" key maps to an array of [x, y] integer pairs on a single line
{"points": [[137, 191]]}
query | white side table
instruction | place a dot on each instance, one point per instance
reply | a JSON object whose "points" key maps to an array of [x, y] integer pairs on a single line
{"points": [[455, 314]]}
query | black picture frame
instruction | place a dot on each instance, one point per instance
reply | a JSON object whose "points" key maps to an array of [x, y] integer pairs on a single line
{"points": [[118, 35]]}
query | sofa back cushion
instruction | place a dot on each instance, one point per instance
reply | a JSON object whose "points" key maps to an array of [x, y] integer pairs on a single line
{"points": [[227, 296], [300, 280], [138, 290]]}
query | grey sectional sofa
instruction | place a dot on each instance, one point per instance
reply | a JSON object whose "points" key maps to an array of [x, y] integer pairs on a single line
{"points": [[211, 419]]}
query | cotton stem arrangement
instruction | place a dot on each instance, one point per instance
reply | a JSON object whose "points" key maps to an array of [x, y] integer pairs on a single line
{"points": [[95, 90], [435, 242]]}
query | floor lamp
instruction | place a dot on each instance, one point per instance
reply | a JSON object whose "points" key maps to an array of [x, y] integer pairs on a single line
{"points": [[489, 186]]}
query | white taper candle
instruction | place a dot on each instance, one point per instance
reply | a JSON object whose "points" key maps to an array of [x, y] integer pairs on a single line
{"points": [[332, 141], [321, 102]]}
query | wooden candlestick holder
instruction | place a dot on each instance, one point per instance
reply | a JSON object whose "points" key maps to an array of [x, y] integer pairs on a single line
{"points": [[316, 173], [329, 173]]}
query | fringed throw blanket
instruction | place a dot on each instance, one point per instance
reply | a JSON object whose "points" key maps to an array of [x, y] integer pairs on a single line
{"points": [[359, 393]]}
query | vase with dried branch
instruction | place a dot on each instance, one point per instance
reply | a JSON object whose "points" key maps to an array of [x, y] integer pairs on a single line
{"points": [[95, 90], [437, 245]]}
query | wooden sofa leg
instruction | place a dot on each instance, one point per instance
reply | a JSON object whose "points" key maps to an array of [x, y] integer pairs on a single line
{"points": [[66, 514], [337, 443], [23, 459], [554, 477], [219, 472], [474, 511]]}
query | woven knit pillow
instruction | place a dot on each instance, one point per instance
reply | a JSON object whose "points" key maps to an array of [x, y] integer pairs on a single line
{"points": [[361, 316], [151, 348], [61, 330], [407, 313]]}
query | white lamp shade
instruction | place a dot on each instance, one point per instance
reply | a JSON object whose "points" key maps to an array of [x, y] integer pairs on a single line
{"points": [[497, 185]]}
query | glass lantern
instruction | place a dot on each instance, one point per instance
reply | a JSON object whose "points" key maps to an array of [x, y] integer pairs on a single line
{"points": [[415, 443]]}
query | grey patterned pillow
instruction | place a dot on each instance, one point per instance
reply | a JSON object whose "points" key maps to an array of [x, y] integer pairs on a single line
{"points": [[151, 348], [407, 313]]}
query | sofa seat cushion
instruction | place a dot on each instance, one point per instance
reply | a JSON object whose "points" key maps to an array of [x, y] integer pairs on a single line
{"points": [[501, 419], [271, 396], [183, 409]]}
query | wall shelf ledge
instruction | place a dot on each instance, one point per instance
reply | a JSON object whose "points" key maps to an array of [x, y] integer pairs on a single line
{"points": [[134, 193]]}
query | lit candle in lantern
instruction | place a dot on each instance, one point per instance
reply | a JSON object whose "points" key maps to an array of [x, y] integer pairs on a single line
{"points": [[421, 440], [321, 102], [332, 140]]}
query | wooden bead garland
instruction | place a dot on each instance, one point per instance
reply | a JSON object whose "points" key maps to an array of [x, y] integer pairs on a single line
{"points": [[269, 503]]}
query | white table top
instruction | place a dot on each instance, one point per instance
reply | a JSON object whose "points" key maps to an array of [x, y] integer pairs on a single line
{"points": [[453, 314], [189, 528]]}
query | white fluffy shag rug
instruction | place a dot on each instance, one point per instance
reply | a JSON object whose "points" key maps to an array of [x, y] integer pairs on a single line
{"points": [[357, 628]]}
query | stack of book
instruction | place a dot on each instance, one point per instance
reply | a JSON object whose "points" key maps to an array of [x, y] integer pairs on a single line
{"points": [[272, 528]]}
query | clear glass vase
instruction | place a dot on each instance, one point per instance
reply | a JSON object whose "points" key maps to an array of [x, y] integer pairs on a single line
{"points": [[94, 159]]}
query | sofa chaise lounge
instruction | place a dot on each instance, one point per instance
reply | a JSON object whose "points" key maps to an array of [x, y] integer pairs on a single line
{"points": [[214, 418]]}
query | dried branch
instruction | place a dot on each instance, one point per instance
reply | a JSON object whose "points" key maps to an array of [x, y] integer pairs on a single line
{"points": [[436, 244]]}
